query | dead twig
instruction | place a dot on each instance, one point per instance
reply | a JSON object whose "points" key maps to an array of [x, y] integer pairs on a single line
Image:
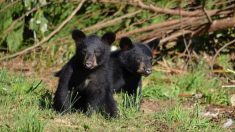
{"points": [[217, 52], [208, 16]]}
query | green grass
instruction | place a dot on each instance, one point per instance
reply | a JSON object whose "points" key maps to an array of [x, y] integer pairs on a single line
{"points": [[25, 105], [179, 119], [196, 81]]}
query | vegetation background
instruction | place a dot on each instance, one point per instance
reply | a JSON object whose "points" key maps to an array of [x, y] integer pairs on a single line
{"points": [[191, 89]]}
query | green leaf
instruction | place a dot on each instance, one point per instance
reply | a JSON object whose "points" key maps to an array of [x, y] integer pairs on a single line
{"points": [[6, 20], [27, 4], [15, 38], [39, 23]]}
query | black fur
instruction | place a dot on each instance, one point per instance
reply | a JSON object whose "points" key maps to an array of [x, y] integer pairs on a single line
{"points": [[130, 63], [85, 81]]}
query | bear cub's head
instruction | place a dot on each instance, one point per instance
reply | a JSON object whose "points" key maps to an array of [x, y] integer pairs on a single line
{"points": [[137, 58], [92, 50]]}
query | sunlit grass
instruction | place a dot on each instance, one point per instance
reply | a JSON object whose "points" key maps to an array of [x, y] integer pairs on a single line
{"points": [[25, 105], [196, 81]]}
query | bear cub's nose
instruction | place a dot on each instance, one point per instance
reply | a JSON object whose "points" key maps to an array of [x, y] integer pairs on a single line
{"points": [[148, 71], [88, 64]]}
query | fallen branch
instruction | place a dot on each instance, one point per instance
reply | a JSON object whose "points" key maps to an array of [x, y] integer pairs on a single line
{"points": [[48, 37], [188, 21], [169, 11], [151, 27], [195, 22], [175, 35], [102, 24], [222, 24], [140, 4]]}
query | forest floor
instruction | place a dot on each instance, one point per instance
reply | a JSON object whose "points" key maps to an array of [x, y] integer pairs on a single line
{"points": [[173, 100]]}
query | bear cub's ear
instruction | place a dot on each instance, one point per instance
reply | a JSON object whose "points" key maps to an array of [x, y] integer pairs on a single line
{"points": [[153, 44], [78, 35], [109, 37], [125, 43]]}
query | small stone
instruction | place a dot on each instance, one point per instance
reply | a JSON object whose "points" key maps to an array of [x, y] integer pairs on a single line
{"points": [[228, 123]]}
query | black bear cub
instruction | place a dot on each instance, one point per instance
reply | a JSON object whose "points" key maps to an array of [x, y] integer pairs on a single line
{"points": [[130, 63], [85, 81]]}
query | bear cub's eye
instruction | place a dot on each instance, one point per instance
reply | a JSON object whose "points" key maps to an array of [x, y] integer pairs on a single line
{"points": [[138, 59], [84, 51], [97, 52]]}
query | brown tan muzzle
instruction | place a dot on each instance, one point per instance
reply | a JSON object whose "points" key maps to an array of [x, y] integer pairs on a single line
{"points": [[144, 70], [90, 61]]}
